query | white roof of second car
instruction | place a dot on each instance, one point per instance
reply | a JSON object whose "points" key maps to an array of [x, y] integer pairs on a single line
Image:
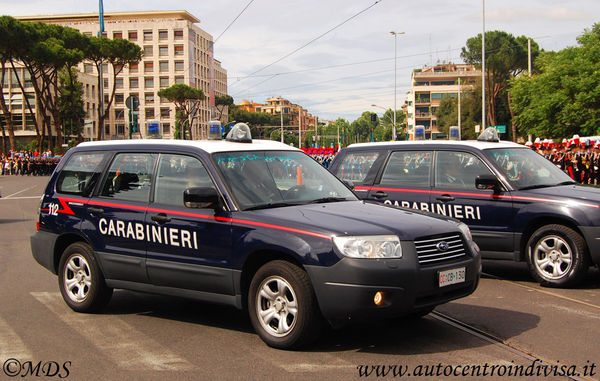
{"points": [[471, 143], [209, 146]]}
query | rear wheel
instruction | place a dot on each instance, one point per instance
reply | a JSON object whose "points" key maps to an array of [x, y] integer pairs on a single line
{"points": [[80, 280], [282, 306], [556, 256]]}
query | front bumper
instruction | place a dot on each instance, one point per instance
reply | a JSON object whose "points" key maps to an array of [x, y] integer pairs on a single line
{"points": [[345, 290], [591, 234]]}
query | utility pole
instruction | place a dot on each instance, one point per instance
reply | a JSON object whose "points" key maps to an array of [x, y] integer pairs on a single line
{"points": [[281, 114], [483, 122], [529, 56], [459, 118], [299, 127], [101, 87]]}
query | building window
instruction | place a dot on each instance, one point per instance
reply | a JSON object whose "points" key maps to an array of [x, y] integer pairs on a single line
{"points": [[166, 128], [133, 68], [147, 50], [149, 98], [147, 35], [89, 34], [118, 34], [119, 98], [132, 35], [178, 50], [134, 82], [163, 34], [179, 79], [105, 82], [149, 113], [105, 68], [88, 68], [148, 67], [118, 83], [163, 50], [165, 112], [149, 82], [164, 82], [178, 34], [163, 66], [120, 129], [105, 99], [107, 129], [119, 113], [163, 100], [178, 65]]}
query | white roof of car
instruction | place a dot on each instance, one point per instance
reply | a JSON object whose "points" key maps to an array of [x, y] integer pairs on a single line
{"points": [[449, 143], [209, 146]]}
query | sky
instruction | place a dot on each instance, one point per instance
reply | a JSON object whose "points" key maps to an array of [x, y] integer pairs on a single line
{"points": [[268, 52]]}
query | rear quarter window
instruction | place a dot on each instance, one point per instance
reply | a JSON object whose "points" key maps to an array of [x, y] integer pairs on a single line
{"points": [[80, 174], [355, 166], [408, 168]]}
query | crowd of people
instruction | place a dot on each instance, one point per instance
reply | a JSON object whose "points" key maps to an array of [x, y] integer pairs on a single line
{"points": [[28, 163], [580, 161], [322, 155]]}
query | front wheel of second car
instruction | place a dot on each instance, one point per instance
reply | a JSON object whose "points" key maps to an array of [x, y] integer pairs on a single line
{"points": [[80, 279], [282, 305], [556, 256]]}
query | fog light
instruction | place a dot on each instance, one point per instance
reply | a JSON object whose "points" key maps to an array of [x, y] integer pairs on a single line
{"points": [[378, 298]]}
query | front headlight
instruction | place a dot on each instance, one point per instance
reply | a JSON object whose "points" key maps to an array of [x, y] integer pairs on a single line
{"points": [[369, 246], [465, 230]]}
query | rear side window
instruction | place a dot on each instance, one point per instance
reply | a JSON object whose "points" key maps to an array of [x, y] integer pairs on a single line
{"points": [[356, 166], [408, 168], [80, 174], [129, 177], [176, 173]]}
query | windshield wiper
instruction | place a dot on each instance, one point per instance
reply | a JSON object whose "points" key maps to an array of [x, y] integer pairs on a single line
{"points": [[328, 199], [567, 182], [274, 205]]}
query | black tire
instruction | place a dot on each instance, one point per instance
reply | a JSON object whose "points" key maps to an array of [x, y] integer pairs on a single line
{"points": [[296, 329], [556, 256], [80, 279]]}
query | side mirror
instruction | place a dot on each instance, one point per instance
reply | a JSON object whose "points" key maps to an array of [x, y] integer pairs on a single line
{"points": [[487, 182], [201, 198]]}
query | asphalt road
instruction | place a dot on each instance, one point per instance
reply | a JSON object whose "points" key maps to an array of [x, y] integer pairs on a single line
{"points": [[509, 321]]}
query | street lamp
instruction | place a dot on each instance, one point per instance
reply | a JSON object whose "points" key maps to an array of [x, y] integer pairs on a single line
{"points": [[393, 128], [395, 82]]}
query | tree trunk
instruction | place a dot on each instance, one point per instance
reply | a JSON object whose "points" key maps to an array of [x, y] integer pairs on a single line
{"points": [[513, 125], [7, 114]]}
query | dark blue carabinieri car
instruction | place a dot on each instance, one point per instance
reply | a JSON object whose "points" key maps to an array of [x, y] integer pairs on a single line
{"points": [[518, 205], [256, 225]]}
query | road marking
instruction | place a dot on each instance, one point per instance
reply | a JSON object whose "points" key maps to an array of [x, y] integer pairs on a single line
{"points": [[21, 191], [129, 348], [543, 291], [11, 345], [19, 198]]}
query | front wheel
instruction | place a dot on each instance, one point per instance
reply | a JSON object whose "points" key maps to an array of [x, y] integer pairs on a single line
{"points": [[556, 256], [282, 306], [80, 280]]}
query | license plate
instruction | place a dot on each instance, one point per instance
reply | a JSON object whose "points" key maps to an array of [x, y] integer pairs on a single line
{"points": [[452, 276]]}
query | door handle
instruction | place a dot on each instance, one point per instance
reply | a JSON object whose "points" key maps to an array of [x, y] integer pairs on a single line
{"points": [[380, 194], [445, 198], [161, 218], [95, 211]]}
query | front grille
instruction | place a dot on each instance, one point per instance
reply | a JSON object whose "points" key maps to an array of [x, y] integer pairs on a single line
{"points": [[430, 250]]}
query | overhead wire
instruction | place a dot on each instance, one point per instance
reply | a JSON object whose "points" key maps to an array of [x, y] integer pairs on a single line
{"points": [[234, 20]]}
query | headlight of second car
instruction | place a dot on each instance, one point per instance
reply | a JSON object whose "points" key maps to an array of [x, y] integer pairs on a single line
{"points": [[369, 246], [465, 230]]}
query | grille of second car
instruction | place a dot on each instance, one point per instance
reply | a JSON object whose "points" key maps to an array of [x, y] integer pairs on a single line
{"points": [[430, 250]]}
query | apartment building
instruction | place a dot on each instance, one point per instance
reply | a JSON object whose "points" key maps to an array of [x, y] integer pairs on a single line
{"points": [[430, 85], [24, 120], [298, 116], [175, 50]]}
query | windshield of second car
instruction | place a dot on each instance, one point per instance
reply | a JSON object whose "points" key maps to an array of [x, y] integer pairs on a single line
{"points": [[526, 169], [278, 178]]}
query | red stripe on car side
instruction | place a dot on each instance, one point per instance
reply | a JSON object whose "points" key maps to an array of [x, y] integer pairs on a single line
{"points": [[64, 200]]}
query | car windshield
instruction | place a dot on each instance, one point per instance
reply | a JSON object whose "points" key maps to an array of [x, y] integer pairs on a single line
{"points": [[264, 179], [525, 169]]}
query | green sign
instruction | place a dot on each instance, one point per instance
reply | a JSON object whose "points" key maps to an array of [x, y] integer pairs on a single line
{"points": [[501, 129]]}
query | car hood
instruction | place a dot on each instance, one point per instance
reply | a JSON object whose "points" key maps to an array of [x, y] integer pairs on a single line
{"points": [[577, 192], [356, 218]]}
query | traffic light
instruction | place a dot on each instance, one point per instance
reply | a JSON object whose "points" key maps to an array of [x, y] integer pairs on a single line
{"points": [[373, 117]]}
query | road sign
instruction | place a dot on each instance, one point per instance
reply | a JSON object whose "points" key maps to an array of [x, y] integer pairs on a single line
{"points": [[501, 128], [132, 102]]}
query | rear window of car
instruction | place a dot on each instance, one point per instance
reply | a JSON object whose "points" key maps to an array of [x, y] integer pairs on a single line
{"points": [[408, 168], [80, 174]]}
